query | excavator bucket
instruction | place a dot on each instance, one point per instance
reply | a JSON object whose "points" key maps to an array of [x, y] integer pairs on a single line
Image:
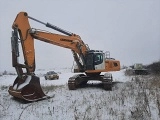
{"points": [[28, 89]]}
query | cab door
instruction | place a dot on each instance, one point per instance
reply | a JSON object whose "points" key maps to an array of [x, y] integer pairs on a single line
{"points": [[90, 62]]}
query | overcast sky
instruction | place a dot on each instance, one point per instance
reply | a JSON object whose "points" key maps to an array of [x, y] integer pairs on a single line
{"points": [[129, 29]]}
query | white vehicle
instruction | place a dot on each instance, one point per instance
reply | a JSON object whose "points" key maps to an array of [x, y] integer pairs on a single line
{"points": [[139, 69], [51, 75]]}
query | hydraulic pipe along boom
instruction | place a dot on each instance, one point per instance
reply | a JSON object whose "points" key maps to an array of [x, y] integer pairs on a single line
{"points": [[52, 26]]}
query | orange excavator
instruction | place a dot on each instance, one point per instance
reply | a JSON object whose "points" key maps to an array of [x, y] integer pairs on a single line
{"points": [[90, 62]]}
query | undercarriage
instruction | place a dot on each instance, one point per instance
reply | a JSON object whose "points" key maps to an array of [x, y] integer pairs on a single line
{"points": [[79, 80]]}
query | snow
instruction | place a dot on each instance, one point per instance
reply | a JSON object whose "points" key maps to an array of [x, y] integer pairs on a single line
{"points": [[127, 100]]}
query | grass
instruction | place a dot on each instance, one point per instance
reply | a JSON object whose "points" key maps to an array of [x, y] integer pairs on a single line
{"points": [[51, 88], [135, 100]]}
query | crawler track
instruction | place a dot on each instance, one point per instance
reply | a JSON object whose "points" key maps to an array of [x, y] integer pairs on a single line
{"points": [[80, 80]]}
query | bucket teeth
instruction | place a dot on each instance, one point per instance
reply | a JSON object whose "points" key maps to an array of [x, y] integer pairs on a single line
{"points": [[29, 90]]}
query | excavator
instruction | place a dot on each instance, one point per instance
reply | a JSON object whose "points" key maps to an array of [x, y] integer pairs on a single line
{"points": [[91, 63]]}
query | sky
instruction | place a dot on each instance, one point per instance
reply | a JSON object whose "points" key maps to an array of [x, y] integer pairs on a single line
{"points": [[129, 29]]}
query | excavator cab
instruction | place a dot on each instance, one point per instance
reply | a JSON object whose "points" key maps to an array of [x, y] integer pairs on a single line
{"points": [[26, 86], [95, 60]]}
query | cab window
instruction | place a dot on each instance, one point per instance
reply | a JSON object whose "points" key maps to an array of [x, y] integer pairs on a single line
{"points": [[98, 59]]}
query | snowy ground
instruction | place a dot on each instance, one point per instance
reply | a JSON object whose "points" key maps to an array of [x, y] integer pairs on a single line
{"points": [[132, 98]]}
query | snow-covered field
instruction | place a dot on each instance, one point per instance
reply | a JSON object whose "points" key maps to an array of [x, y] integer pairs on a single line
{"points": [[132, 98]]}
